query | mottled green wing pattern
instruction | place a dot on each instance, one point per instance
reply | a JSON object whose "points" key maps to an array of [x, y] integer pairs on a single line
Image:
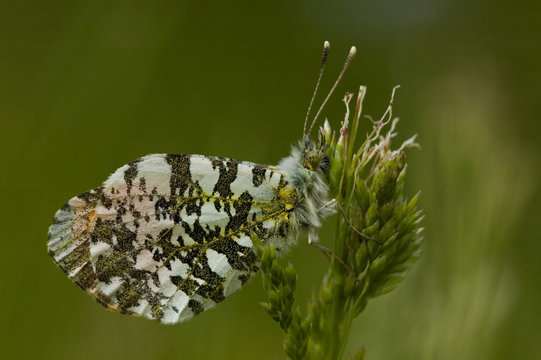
{"points": [[168, 236]]}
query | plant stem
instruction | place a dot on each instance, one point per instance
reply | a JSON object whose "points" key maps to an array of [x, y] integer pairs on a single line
{"points": [[377, 239]]}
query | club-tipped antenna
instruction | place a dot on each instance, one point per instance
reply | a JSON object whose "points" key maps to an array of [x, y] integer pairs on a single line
{"points": [[351, 54], [326, 47]]}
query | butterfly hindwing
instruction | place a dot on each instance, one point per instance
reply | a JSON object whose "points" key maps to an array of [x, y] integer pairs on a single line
{"points": [[168, 236]]}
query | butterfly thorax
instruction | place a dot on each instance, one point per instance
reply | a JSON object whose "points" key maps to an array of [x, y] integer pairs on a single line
{"points": [[305, 170]]}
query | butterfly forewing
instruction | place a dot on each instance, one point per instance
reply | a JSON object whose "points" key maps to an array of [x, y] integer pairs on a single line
{"points": [[168, 236]]}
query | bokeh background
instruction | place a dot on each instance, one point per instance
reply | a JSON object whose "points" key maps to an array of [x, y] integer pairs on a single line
{"points": [[87, 86]]}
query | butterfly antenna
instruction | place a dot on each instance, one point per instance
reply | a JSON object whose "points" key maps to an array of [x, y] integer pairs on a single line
{"points": [[326, 47], [351, 54]]}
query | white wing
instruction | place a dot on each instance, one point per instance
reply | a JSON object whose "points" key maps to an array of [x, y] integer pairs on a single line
{"points": [[168, 236]]}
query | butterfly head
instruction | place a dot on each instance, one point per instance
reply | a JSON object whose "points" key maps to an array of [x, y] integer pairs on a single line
{"points": [[313, 157]]}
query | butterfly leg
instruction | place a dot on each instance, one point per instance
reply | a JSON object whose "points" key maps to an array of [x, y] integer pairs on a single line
{"points": [[329, 254], [327, 208], [364, 236]]}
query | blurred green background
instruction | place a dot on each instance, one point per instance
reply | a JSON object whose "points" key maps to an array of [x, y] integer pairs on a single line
{"points": [[86, 87]]}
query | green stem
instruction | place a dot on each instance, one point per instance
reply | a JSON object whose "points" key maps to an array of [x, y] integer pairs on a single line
{"points": [[376, 240]]}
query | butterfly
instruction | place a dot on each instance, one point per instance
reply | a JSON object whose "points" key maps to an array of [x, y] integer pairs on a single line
{"points": [[169, 236]]}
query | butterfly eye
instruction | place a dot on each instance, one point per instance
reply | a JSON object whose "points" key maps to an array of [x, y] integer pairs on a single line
{"points": [[311, 159]]}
